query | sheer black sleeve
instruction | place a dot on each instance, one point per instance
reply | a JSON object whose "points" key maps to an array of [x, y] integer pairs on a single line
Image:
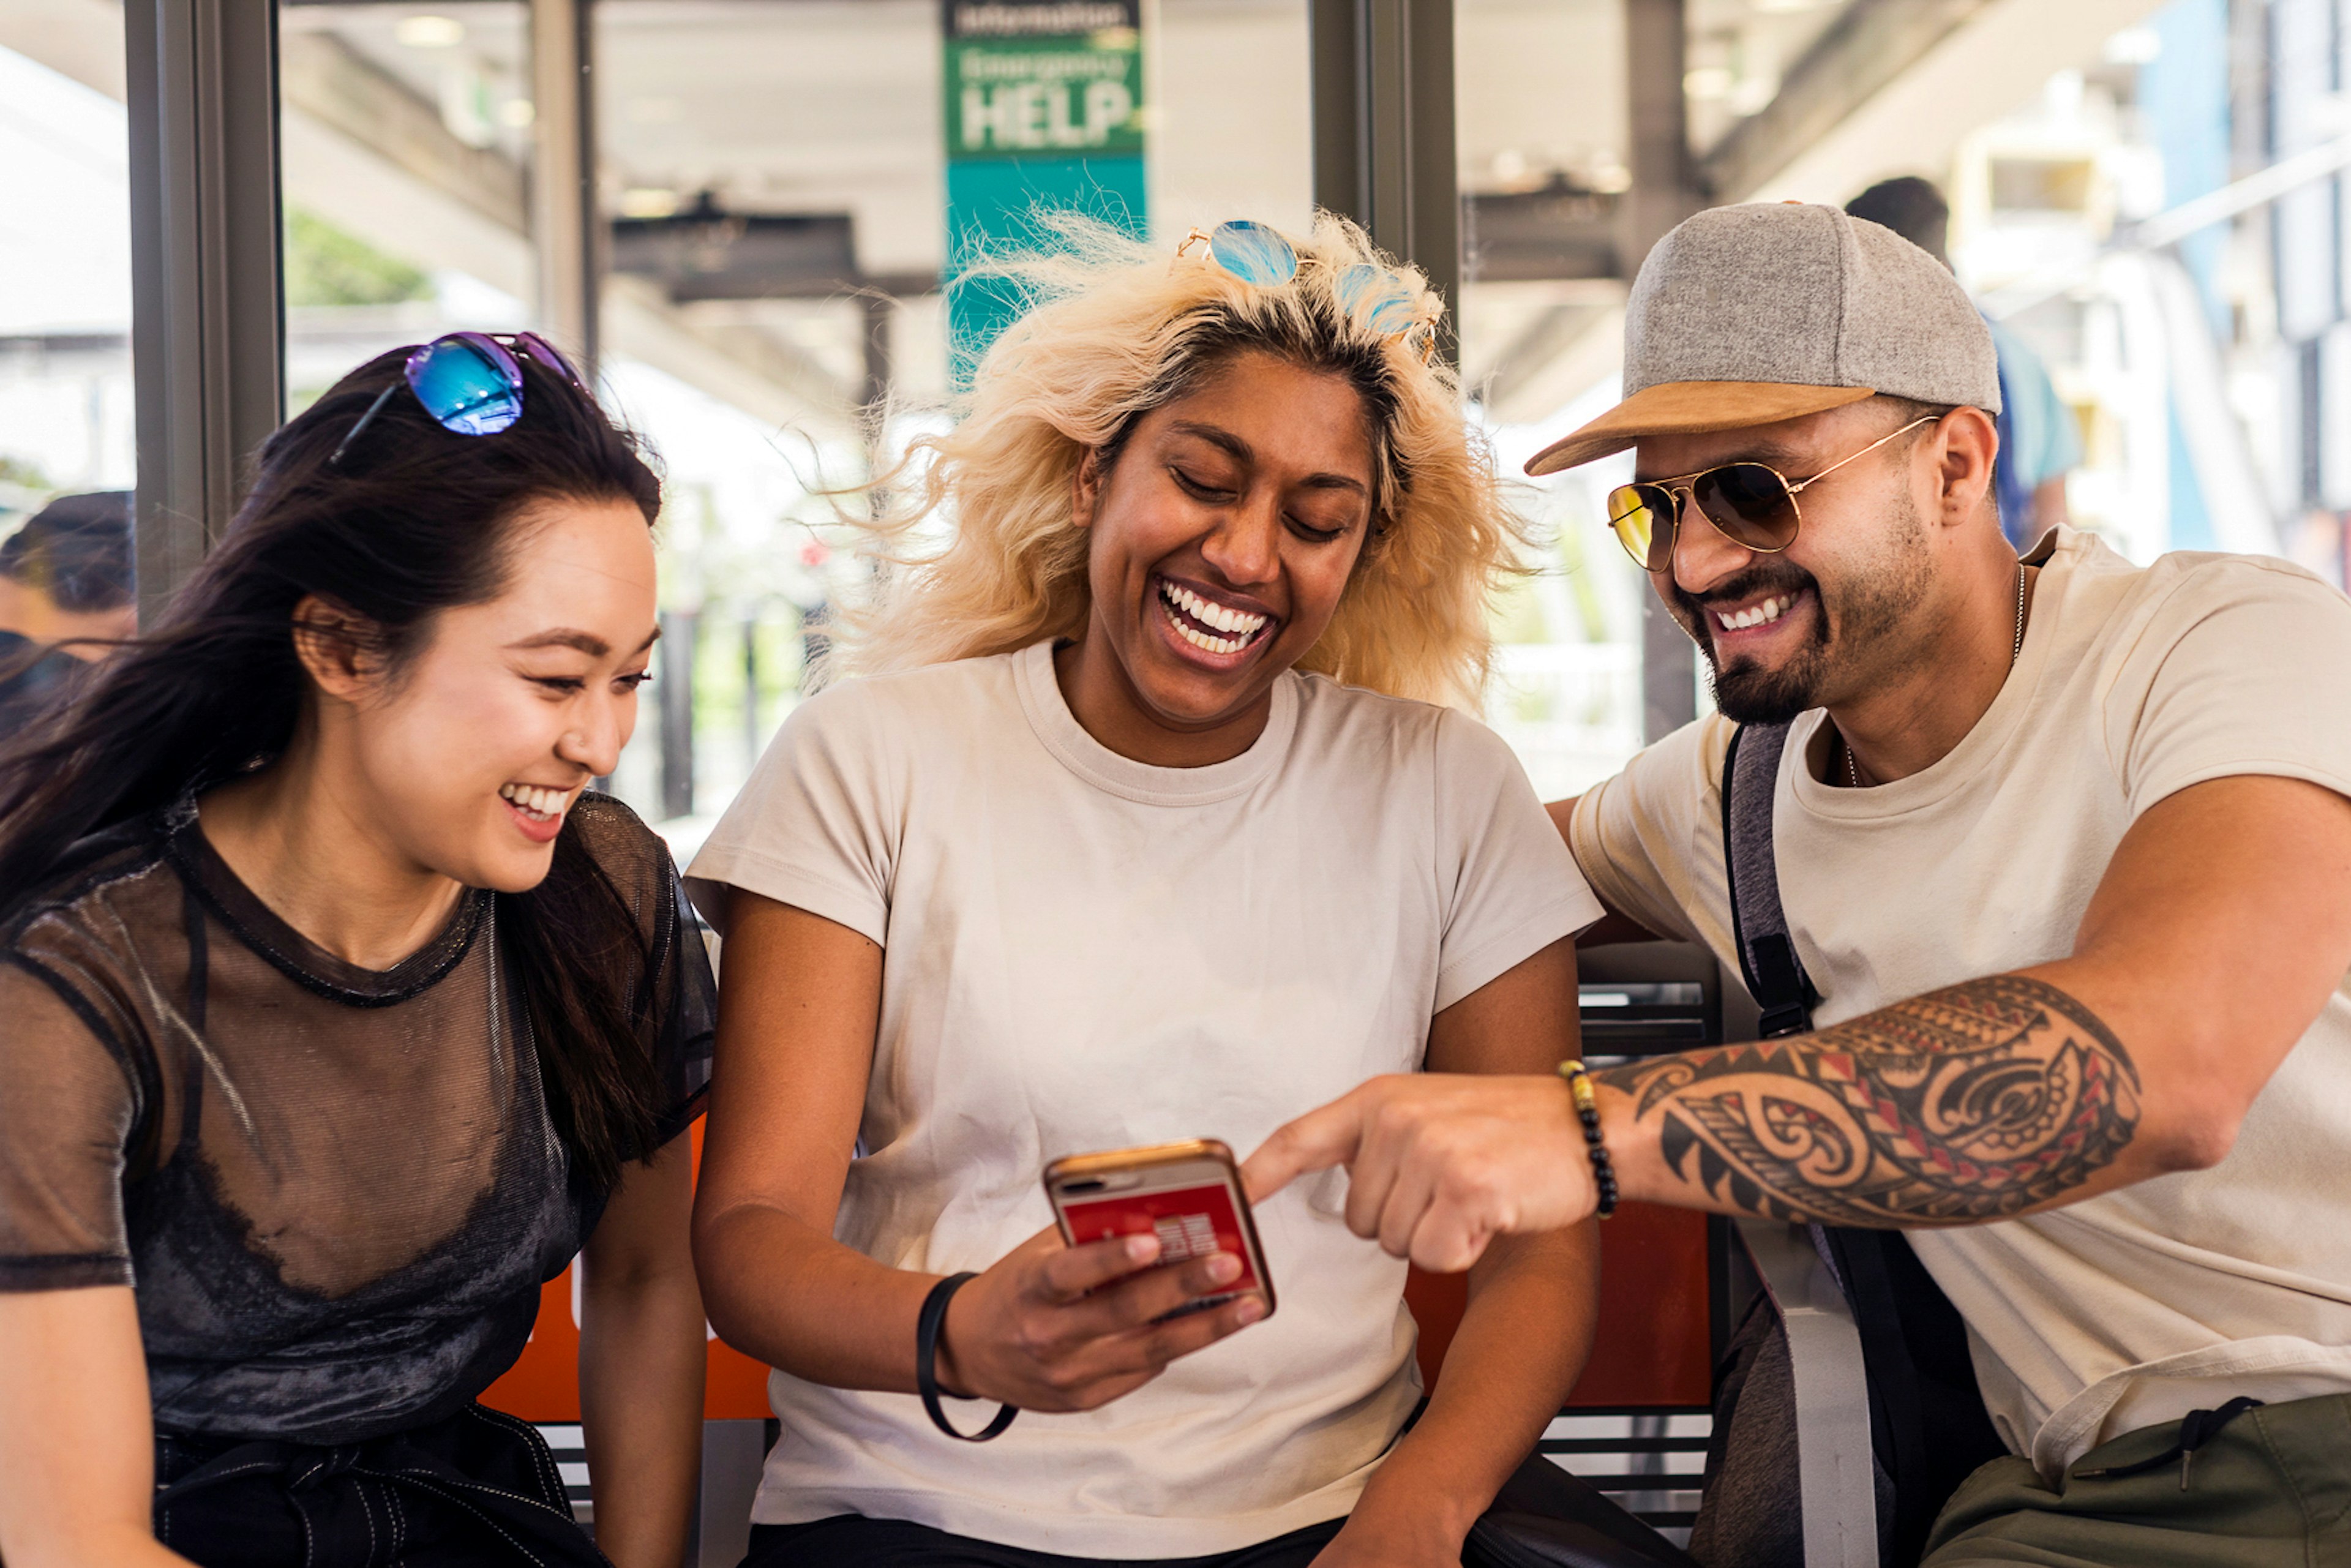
{"points": [[684, 993], [70, 1105]]}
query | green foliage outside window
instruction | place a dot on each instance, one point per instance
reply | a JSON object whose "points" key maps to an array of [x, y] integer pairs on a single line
{"points": [[24, 474], [325, 266]]}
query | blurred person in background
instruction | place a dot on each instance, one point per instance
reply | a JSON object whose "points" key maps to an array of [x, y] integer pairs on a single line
{"points": [[2040, 441], [65, 598]]}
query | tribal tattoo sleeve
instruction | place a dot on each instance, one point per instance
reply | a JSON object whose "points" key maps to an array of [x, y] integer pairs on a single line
{"points": [[1964, 1105]]}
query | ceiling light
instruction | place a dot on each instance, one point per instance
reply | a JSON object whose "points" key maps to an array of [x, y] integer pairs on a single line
{"points": [[648, 201], [428, 32], [1707, 83]]}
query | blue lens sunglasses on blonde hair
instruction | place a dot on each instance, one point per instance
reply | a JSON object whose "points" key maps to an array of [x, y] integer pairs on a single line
{"points": [[1257, 254], [470, 383]]}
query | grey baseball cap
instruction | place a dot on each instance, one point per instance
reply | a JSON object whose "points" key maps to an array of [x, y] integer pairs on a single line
{"points": [[1749, 315]]}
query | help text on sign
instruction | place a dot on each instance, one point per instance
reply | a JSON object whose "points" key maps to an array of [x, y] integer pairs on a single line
{"points": [[1044, 117]]}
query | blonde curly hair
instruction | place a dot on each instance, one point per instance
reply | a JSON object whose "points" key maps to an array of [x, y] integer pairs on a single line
{"points": [[1113, 331]]}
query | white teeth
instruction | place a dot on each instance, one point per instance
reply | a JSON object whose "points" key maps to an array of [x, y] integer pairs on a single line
{"points": [[537, 802], [1762, 615], [1201, 640], [1241, 623]]}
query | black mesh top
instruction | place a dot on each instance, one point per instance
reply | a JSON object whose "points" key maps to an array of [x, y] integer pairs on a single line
{"points": [[336, 1190]]}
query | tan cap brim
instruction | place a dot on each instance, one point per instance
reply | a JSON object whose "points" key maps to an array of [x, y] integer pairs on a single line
{"points": [[1689, 408]]}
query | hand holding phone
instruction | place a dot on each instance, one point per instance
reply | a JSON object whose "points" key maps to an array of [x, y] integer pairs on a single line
{"points": [[1059, 1324], [1187, 1196]]}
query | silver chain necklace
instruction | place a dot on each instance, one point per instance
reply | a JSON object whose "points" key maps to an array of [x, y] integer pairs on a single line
{"points": [[2015, 650]]}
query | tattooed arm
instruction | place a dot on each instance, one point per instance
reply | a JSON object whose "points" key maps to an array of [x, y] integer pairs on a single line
{"points": [[1978, 1101], [2218, 931]]}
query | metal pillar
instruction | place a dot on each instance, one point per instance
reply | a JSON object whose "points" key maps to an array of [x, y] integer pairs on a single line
{"points": [[207, 302], [565, 227], [1665, 191], [1383, 135]]}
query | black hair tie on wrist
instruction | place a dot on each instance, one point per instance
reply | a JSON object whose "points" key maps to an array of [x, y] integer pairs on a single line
{"points": [[934, 1316]]}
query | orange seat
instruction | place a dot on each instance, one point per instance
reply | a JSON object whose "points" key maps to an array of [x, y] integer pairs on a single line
{"points": [[544, 1384]]}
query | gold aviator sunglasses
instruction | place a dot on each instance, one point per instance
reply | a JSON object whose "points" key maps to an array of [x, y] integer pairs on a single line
{"points": [[1752, 505]]}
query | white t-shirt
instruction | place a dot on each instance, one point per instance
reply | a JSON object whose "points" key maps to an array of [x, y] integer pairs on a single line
{"points": [[1083, 952], [2133, 1308]]}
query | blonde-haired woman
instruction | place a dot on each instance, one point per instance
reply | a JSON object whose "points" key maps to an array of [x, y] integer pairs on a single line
{"points": [[1140, 824]]}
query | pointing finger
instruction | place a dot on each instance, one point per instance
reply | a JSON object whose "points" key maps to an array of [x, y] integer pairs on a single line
{"points": [[1314, 1142]]}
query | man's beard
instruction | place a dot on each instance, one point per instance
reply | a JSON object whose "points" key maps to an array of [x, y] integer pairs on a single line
{"points": [[1874, 606]]}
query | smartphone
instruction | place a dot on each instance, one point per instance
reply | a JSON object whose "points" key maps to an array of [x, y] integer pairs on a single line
{"points": [[1189, 1195]]}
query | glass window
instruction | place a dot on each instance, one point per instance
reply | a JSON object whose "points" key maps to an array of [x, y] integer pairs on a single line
{"points": [[1542, 172], [66, 413], [1738, 51], [771, 171], [785, 182], [1232, 132], [405, 140]]}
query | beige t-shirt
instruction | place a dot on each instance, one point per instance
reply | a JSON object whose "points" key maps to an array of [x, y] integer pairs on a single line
{"points": [[1084, 952], [2139, 1306]]}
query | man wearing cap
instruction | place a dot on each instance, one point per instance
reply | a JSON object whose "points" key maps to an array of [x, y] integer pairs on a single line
{"points": [[2064, 856]]}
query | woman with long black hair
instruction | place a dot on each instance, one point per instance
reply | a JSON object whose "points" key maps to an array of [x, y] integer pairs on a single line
{"points": [[336, 1015]]}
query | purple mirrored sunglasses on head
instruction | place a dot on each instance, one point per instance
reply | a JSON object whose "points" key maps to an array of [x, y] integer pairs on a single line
{"points": [[470, 383]]}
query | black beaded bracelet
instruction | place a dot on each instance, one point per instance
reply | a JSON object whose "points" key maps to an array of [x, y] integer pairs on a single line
{"points": [[926, 1357], [1587, 1111]]}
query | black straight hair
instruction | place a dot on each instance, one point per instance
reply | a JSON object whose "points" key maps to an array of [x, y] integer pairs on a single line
{"points": [[413, 520]]}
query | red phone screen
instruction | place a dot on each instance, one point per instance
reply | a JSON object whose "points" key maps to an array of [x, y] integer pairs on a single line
{"points": [[1190, 1222]]}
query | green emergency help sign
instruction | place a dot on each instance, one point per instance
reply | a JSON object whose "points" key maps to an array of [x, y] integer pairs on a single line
{"points": [[1044, 115], [1062, 79]]}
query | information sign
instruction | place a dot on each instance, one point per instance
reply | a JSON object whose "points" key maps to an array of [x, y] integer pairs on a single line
{"points": [[1044, 113], [1059, 79]]}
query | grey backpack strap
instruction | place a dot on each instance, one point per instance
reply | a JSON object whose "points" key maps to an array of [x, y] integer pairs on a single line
{"points": [[1927, 1429], [1767, 957]]}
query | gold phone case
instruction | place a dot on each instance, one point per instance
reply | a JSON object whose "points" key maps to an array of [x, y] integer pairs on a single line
{"points": [[1081, 1167]]}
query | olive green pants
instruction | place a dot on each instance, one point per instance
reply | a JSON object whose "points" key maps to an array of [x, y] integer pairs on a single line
{"points": [[2269, 1490]]}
